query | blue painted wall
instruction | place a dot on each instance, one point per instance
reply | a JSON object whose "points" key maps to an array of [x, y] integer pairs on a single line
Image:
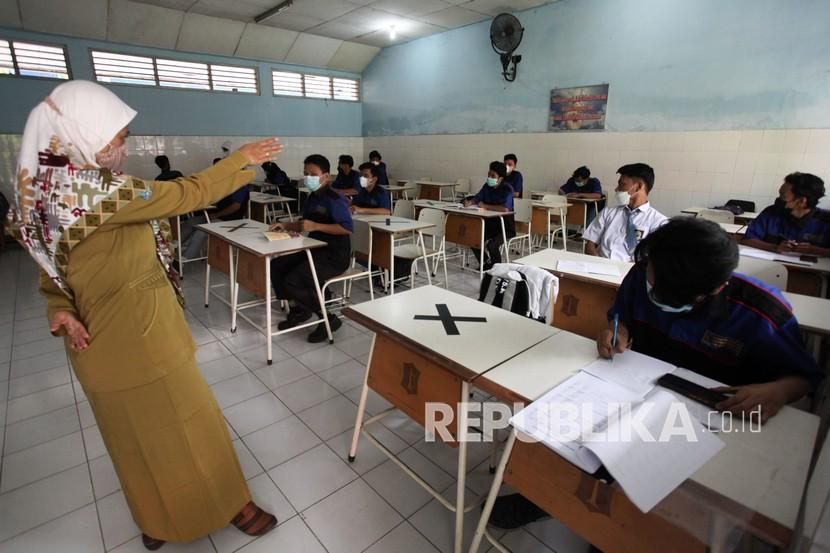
{"points": [[671, 65], [188, 112]]}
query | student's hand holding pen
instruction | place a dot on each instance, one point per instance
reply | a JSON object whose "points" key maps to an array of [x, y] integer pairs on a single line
{"points": [[606, 346], [786, 246]]}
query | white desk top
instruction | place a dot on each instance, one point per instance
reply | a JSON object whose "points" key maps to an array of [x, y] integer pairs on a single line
{"points": [[547, 259], [258, 245], [396, 224], [263, 198], [478, 346], [696, 210], [398, 187], [435, 183], [448, 207], [224, 229], [821, 266], [732, 228], [813, 313]]}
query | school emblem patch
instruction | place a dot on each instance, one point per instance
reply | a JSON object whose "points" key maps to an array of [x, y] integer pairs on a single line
{"points": [[570, 305], [725, 343], [411, 375], [595, 495], [462, 231]]}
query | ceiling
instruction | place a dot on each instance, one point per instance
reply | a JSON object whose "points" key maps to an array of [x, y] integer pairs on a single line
{"points": [[335, 34]]}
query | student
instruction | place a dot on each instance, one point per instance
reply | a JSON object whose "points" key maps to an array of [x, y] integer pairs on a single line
{"points": [[163, 163], [583, 185], [348, 180], [372, 199], [682, 303], [795, 223], [226, 148], [326, 217], [275, 175], [495, 195], [617, 230], [375, 159], [513, 178]]}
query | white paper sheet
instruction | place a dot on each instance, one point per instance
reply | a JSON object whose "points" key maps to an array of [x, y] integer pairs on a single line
{"points": [[570, 266], [773, 256], [634, 371]]}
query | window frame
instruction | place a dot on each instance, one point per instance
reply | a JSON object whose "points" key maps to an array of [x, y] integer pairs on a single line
{"points": [[17, 74], [303, 96]]}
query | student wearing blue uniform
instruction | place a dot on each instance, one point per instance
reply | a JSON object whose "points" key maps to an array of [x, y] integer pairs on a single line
{"points": [[375, 159], [326, 217], [348, 180], [682, 303], [163, 163], [514, 178], [372, 198], [795, 224], [495, 195], [276, 176], [583, 185]]}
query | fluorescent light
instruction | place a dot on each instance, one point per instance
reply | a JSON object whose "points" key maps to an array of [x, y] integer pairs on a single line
{"points": [[392, 33], [274, 11]]}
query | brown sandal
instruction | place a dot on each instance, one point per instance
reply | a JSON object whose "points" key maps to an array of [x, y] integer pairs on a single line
{"points": [[254, 521], [151, 543]]}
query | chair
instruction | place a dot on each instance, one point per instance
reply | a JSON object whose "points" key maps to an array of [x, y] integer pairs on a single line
{"points": [[523, 211], [560, 220], [361, 246], [717, 215], [418, 251], [462, 188], [404, 208], [743, 204], [769, 272]]}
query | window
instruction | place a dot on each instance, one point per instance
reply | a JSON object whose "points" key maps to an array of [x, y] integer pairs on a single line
{"points": [[287, 84], [30, 59], [115, 68], [315, 86]]}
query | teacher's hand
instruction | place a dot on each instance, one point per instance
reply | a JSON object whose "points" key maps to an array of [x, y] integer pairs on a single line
{"points": [[75, 330], [262, 151]]}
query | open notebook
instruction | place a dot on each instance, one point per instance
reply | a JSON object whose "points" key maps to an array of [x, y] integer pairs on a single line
{"points": [[650, 443]]}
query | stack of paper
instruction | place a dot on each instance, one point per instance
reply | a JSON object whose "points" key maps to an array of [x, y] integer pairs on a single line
{"points": [[793, 259], [569, 266], [612, 414]]}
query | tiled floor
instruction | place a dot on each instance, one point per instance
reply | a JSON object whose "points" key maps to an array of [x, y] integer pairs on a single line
{"points": [[291, 423]]}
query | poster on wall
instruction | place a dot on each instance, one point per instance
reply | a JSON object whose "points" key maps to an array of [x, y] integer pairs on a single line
{"points": [[579, 108]]}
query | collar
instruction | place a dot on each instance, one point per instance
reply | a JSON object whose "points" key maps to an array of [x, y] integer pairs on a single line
{"points": [[643, 208]]}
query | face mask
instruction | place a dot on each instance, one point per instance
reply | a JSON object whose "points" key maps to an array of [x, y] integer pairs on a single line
{"points": [[663, 306], [376, 162], [312, 182], [113, 158], [623, 197], [492, 182], [580, 184], [509, 169], [364, 182]]}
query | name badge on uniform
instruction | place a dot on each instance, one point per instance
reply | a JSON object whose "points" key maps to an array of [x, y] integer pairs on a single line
{"points": [[725, 343]]}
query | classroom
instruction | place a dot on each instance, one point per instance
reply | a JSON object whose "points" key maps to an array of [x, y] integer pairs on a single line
{"points": [[414, 276]]}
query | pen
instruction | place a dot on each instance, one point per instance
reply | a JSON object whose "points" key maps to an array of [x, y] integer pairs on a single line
{"points": [[614, 337]]}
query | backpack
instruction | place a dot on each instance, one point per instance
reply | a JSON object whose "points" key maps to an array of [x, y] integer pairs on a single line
{"points": [[506, 293]]}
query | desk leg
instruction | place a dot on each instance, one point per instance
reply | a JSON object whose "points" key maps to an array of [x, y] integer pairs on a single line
{"points": [[207, 276], [494, 492], [549, 231], [562, 219], [361, 406], [504, 237], [268, 346], [288, 209], [391, 265], [320, 297], [482, 253], [233, 287], [462, 466], [181, 245]]}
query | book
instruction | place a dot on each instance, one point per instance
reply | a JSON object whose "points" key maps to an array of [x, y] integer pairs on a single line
{"points": [[273, 236]]}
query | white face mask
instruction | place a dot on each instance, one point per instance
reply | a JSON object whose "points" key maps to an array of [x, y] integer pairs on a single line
{"points": [[364, 182], [663, 307], [376, 162], [509, 169], [623, 197]]}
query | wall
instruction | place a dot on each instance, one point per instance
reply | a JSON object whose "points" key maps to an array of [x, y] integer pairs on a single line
{"points": [[722, 98], [189, 112]]}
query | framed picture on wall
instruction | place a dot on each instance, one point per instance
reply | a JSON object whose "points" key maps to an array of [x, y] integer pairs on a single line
{"points": [[579, 108]]}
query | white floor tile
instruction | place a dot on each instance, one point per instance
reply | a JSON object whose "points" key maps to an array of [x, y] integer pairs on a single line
{"points": [[351, 519], [293, 536], [94, 443], [557, 536], [323, 358], [354, 346], [345, 376], [368, 456], [403, 539], [41, 362], [255, 413], [282, 373], [38, 381], [136, 546], [104, 479], [374, 402], [256, 357], [211, 352], [222, 369], [117, 522], [40, 403], [280, 441], [250, 466], [86, 415], [37, 347], [311, 476], [44, 428], [76, 532], [331, 417], [305, 393], [40, 461], [237, 389]]}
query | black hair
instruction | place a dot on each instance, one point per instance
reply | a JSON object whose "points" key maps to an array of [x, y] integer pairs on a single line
{"points": [[217, 160], [639, 171], [805, 185], [499, 168], [690, 257], [511, 157], [163, 162], [374, 169], [374, 154], [582, 173], [347, 159], [318, 160]]}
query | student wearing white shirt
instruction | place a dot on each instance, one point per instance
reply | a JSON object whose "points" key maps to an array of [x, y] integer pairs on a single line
{"points": [[616, 231]]}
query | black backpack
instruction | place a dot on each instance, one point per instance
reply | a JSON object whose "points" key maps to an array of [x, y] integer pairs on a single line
{"points": [[505, 293]]}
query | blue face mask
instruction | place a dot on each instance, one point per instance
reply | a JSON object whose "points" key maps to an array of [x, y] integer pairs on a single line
{"points": [[312, 182], [663, 306], [492, 182]]}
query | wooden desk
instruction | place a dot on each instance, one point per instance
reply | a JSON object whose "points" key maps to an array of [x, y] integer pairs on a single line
{"points": [[383, 240], [813, 314], [259, 202], [465, 227], [808, 280], [239, 249], [399, 189], [755, 482], [416, 361], [584, 299], [433, 190]]}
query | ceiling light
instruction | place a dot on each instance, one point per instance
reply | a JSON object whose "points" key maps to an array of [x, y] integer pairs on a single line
{"points": [[274, 11], [392, 34]]}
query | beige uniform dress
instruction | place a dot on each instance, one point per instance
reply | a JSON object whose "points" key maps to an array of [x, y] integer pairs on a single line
{"points": [[160, 422]]}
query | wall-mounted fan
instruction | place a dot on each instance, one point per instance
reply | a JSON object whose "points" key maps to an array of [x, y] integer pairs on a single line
{"points": [[505, 36]]}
